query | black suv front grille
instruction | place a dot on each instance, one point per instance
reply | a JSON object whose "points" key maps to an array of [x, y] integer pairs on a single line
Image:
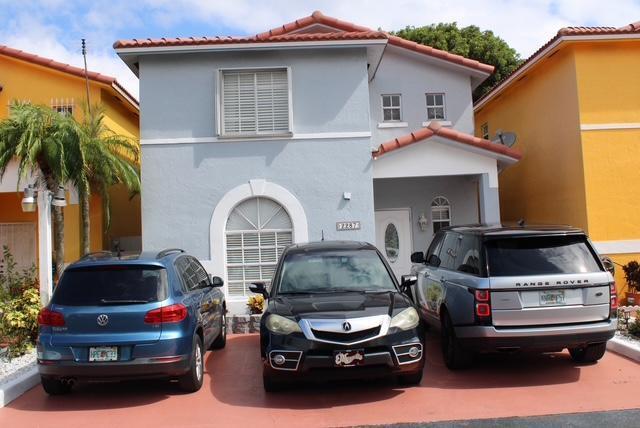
{"points": [[347, 337]]}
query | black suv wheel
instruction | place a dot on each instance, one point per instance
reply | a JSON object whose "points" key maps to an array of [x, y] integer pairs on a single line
{"points": [[455, 357]]}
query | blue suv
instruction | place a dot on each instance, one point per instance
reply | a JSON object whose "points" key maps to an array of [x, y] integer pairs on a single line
{"points": [[146, 316]]}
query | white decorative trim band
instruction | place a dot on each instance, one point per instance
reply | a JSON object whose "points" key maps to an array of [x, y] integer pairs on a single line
{"points": [[203, 140], [441, 122], [618, 247], [605, 126], [383, 125]]}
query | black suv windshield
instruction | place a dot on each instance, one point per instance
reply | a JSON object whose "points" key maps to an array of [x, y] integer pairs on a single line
{"points": [[540, 255], [111, 285], [337, 270]]}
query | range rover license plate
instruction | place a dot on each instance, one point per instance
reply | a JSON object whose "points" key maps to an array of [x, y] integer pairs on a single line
{"points": [[551, 297], [349, 358], [103, 353]]}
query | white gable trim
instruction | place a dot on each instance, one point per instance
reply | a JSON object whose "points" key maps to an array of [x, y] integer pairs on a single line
{"points": [[435, 157]]}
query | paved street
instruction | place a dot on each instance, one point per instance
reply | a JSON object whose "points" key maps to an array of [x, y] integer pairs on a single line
{"points": [[499, 386]]}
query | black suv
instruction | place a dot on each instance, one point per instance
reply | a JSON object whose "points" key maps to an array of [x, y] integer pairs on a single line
{"points": [[336, 310]]}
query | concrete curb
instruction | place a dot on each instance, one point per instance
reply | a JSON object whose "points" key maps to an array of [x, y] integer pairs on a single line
{"points": [[624, 348], [13, 389]]}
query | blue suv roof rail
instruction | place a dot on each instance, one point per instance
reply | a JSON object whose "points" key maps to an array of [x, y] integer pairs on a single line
{"points": [[168, 251], [97, 255]]}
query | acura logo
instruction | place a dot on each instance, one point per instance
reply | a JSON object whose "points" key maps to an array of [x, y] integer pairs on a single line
{"points": [[346, 326], [102, 320]]}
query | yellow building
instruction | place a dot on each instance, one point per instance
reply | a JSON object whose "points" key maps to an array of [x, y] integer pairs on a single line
{"points": [[30, 78], [575, 107]]}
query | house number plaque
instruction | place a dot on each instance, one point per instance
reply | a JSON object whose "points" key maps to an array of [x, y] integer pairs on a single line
{"points": [[347, 225]]}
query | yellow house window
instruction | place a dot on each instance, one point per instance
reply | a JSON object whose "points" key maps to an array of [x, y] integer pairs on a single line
{"points": [[484, 130], [63, 105]]}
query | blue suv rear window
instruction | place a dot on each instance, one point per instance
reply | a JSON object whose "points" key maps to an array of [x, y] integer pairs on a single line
{"points": [[111, 285]]}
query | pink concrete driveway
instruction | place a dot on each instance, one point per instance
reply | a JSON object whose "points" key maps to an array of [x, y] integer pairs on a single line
{"points": [[498, 386]]}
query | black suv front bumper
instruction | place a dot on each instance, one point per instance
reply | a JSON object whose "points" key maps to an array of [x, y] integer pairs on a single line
{"points": [[312, 360]]}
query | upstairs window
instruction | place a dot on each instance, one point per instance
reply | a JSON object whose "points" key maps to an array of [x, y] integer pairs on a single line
{"points": [[435, 107], [391, 108], [484, 130], [440, 213], [255, 102], [63, 106]]}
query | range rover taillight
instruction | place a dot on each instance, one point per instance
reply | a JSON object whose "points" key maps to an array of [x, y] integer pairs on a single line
{"points": [[614, 300], [482, 306]]}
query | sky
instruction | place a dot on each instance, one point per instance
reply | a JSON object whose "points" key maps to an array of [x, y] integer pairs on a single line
{"points": [[53, 28]]}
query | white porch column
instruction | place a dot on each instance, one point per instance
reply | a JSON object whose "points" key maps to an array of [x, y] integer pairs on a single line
{"points": [[489, 199], [45, 267]]}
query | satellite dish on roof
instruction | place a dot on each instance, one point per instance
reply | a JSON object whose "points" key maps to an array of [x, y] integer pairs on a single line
{"points": [[505, 138]]}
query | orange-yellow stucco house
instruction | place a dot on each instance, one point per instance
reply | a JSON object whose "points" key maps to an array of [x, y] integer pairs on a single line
{"points": [[575, 107], [30, 78]]}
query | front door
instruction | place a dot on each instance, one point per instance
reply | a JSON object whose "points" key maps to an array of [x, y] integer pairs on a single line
{"points": [[393, 238]]}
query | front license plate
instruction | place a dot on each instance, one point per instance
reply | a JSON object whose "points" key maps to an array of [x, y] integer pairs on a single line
{"points": [[551, 297], [348, 358], [103, 353]]}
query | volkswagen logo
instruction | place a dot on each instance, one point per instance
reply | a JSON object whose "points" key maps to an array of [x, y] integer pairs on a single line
{"points": [[346, 326], [102, 320]]}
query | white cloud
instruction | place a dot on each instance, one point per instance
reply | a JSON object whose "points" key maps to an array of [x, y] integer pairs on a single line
{"points": [[524, 24]]}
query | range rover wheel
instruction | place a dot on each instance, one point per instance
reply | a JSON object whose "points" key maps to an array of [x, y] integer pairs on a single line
{"points": [[53, 386], [588, 354], [454, 356], [191, 381], [221, 340], [410, 379]]}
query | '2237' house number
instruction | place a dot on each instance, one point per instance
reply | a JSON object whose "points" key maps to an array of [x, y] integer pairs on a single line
{"points": [[347, 225]]}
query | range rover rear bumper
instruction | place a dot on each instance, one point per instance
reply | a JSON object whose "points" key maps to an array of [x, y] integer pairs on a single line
{"points": [[490, 338]]}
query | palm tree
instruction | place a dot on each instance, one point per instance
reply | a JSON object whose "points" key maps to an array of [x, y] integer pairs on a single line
{"points": [[105, 159], [40, 140]]}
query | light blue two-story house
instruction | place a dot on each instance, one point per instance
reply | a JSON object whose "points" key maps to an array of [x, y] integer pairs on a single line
{"points": [[319, 128]]}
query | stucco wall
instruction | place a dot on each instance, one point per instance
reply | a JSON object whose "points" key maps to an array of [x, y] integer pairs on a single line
{"points": [[183, 183], [417, 194], [413, 77], [178, 92]]}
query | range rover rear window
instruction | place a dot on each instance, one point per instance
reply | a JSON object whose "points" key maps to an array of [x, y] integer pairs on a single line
{"points": [[111, 285], [541, 255]]}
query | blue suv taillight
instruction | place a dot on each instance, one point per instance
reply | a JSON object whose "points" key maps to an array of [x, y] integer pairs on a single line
{"points": [[166, 314]]}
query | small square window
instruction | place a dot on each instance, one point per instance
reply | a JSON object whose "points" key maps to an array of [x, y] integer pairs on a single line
{"points": [[484, 130], [435, 107], [391, 108]]}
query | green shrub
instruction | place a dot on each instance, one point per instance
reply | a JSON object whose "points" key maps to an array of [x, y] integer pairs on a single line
{"points": [[19, 306], [632, 275]]}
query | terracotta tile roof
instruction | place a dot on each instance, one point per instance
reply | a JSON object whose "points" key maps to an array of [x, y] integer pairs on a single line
{"points": [[260, 38], [318, 17], [347, 31], [436, 129], [633, 28], [66, 68]]}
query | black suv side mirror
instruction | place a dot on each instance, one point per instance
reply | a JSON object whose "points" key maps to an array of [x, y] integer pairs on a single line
{"points": [[406, 281], [216, 281], [259, 288], [434, 260], [417, 257]]}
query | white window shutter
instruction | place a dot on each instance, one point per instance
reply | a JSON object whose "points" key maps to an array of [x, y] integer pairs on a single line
{"points": [[255, 102]]}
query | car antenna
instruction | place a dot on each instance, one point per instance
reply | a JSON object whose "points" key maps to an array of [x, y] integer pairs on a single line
{"points": [[322, 232]]}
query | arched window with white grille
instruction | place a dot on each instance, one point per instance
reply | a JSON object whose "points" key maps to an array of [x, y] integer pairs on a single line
{"points": [[257, 231], [440, 213]]}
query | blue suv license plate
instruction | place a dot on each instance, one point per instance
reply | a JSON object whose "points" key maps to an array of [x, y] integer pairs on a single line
{"points": [[103, 353]]}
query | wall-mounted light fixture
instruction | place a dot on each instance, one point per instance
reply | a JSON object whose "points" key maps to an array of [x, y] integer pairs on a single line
{"points": [[423, 222], [346, 196]]}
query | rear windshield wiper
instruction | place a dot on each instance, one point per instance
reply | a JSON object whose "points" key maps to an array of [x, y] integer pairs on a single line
{"points": [[122, 301]]}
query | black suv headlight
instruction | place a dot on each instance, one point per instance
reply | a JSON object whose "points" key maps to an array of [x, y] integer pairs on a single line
{"points": [[405, 320], [281, 325]]}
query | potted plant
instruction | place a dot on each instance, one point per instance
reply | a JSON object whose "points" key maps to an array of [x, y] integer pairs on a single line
{"points": [[256, 304], [632, 276]]}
